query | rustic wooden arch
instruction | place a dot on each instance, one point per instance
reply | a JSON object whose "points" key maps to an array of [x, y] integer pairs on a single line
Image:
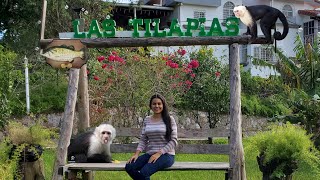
{"points": [[236, 156]]}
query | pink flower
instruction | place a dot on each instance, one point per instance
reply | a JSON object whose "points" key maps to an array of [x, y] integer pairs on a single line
{"points": [[188, 83], [96, 78], [104, 66], [193, 75], [101, 58], [194, 63], [114, 52], [218, 74], [187, 70]]}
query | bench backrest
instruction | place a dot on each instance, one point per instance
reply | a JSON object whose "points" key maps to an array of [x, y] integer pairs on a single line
{"points": [[200, 137]]}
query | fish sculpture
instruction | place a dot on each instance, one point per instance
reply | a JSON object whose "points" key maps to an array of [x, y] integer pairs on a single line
{"points": [[62, 56]]}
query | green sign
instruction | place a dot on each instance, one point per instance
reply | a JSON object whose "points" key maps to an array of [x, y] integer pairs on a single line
{"points": [[195, 27]]}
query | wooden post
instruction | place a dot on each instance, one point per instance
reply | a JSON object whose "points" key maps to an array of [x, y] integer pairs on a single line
{"points": [[236, 149], [83, 106], [66, 123], [83, 103], [43, 18]]}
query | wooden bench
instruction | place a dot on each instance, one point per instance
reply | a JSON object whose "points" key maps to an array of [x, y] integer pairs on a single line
{"points": [[71, 170]]}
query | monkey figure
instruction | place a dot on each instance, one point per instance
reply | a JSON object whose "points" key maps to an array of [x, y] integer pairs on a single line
{"points": [[92, 146], [267, 15]]}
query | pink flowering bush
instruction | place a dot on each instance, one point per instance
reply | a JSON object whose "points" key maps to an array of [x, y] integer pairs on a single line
{"points": [[127, 77]]}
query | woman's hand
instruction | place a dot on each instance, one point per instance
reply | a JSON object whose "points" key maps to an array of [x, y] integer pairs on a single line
{"points": [[133, 158], [154, 157]]}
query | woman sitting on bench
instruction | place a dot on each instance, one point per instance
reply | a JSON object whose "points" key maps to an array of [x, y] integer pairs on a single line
{"points": [[158, 139]]}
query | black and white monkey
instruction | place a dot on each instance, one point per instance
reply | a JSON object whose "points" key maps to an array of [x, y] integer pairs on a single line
{"points": [[92, 146], [267, 15]]}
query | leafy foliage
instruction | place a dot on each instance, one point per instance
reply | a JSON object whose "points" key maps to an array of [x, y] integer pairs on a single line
{"points": [[210, 89], [288, 143], [9, 75], [305, 112], [264, 97], [34, 134], [124, 79]]}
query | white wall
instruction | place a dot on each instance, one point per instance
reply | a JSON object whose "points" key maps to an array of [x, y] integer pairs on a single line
{"points": [[287, 45]]}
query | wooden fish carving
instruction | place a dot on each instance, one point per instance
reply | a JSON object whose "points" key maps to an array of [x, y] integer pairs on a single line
{"points": [[63, 54]]}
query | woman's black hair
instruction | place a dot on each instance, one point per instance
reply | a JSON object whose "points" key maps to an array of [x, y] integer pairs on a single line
{"points": [[165, 115]]}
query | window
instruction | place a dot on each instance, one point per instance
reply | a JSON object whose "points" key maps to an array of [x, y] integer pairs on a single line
{"points": [[308, 32], [287, 10], [263, 53], [228, 10], [199, 14], [244, 55]]}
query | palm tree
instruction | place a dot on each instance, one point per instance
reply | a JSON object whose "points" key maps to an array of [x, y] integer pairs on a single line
{"points": [[304, 71]]}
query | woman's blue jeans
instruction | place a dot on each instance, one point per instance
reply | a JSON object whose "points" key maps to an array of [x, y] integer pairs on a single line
{"points": [[142, 170]]}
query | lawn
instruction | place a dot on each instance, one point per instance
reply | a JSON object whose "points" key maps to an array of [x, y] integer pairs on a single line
{"points": [[252, 170]]}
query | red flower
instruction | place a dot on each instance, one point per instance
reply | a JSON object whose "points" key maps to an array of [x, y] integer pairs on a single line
{"points": [[182, 52], [119, 59], [104, 66], [111, 58], [174, 65], [193, 75], [101, 58], [168, 62], [114, 52], [194, 63], [96, 78], [218, 74]]}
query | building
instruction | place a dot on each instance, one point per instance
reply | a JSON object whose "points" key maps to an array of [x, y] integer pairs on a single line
{"points": [[303, 17]]}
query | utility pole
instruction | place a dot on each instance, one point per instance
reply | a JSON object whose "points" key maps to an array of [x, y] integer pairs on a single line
{"points": [[26, 74]]}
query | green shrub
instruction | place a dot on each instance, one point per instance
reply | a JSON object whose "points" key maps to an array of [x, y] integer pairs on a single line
{"points": [[19, 138], [8, 76], [284, 146]]}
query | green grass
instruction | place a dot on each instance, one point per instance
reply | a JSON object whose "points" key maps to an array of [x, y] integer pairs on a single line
{"points": [[252, 171]]}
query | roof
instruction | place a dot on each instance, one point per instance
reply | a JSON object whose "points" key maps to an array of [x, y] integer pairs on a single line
{"points": [[312, 13], [209, 3]]}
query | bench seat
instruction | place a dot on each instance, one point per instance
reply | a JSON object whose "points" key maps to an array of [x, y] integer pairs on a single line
{"points": [[120, 166]]}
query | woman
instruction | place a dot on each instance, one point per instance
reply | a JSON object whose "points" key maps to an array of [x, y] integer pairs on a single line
{"points": [[158, 139]]}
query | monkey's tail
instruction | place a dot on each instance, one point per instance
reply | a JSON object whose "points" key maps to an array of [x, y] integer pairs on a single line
{"points": [[277, 35]]}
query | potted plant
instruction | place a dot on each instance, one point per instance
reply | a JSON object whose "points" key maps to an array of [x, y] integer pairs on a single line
{"points": [[22, 149], [281, 150]]}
